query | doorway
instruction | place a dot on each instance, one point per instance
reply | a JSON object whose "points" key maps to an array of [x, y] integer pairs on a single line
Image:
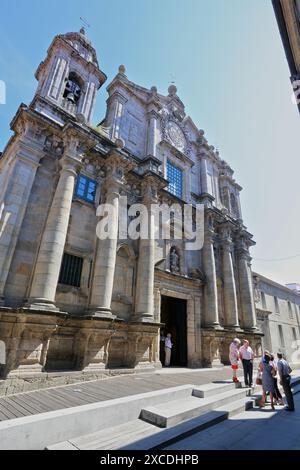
{"points": [[173, 315]]}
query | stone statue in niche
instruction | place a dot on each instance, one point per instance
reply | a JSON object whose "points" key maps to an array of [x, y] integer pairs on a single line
{"points": [[174, 261]]}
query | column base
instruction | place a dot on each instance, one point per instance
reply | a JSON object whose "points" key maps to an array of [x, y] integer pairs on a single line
{"points": [[142, 318], [252, 329], [214, 326], [105, 313], [236, 328], [41, 304]]}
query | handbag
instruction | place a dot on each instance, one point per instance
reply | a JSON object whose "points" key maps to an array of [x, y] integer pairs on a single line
{"points": [[259, 378]]}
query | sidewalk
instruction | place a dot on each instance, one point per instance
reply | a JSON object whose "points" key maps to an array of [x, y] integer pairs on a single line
{"points": [[257, 429], [83, 393]]}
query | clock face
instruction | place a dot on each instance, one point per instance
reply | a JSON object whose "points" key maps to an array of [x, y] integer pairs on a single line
{"points": [[176, 136]]}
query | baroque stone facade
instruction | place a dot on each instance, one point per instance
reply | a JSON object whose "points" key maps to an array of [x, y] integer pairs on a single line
{"points": [[71, 301]]}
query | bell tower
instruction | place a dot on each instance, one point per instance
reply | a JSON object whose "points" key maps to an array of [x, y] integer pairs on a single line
{"points": [[68, 78]]}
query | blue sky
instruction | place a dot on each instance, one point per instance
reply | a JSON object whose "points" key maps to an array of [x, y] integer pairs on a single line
{"points": [[228, 63]]}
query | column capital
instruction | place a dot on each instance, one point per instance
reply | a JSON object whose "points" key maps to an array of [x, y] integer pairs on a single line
{"points": [[152, 112], [70, 164], [116, 167], [150, 186], [243, 249], [226, 238]]}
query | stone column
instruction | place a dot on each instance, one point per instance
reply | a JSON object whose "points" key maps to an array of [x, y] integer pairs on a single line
{"points": [[153, 107], [230, 298], [14, 198], [246, 289], [211, 313], [106, 250], [151, 143], [203, 174], [115, 110], [47, 268], [145, 272]]}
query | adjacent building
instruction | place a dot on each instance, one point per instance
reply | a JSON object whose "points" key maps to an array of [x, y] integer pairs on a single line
{"points": [[278, 315], [287, 14]]}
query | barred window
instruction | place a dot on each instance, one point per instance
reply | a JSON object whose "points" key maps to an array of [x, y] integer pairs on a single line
{"points": [[281, 337], [70, 271], [290, 310], [174, 176], [86, 188], [276, 305], [263, 300]]}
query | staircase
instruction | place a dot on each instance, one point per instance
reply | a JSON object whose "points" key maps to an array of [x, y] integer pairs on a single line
{"points": [[167, 422]]}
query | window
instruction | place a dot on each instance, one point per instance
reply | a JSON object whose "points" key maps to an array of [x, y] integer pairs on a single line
{"points": [[276, 305], [281, 337], [294, 334], [174, 176], [70, 271], [290, 310], [263, 300], [86, 188]]}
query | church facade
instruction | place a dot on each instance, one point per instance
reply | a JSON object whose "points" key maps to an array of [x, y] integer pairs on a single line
{"points": [[71, 301]]}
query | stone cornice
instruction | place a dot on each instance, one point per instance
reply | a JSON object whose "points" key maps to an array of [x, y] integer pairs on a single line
{"points": [[161, 275], [177, 153], [260, 278], [262, 314]]}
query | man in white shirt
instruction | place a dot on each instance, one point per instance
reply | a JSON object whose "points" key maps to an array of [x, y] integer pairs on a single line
{"points": [[168, 349], [246, 356]]}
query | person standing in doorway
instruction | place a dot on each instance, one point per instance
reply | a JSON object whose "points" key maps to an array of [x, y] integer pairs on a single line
{"points": [[284, 371], [247, 356], [168, 349], [234, 357]]}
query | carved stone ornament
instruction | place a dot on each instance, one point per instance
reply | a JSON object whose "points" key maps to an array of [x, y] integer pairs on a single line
{"points": [[54, 145], [174, 133], [174, 261], [257, 296]]}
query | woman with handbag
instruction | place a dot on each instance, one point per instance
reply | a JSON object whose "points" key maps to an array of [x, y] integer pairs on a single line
{"points": [[268, 373], [277, 395]]}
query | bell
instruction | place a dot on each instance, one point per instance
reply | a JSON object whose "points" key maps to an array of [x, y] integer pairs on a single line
{"points": [[71, 97]]}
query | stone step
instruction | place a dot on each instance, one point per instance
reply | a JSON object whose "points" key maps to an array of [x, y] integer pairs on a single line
{"points": [[110, 438], [214, 388], [169, 436], [174, 412], [140, 435], [295, 381]]}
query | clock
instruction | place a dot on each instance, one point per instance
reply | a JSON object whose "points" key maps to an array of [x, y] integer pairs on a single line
{"points": [[176, 135]]}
